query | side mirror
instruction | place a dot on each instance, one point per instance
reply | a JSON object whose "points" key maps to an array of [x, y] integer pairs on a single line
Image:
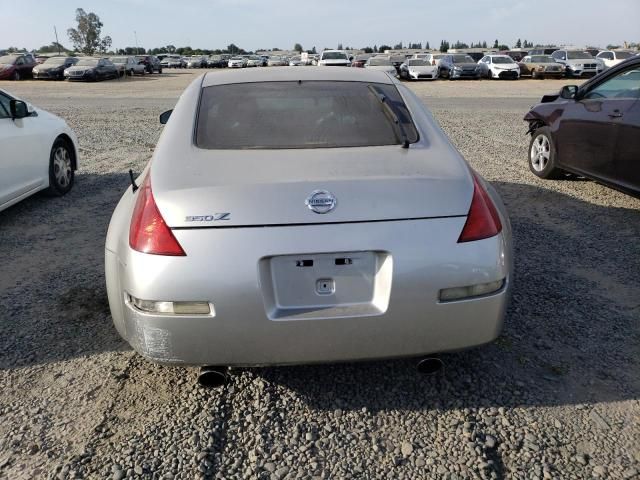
{"points": [[164, 116], [568, 92], [18, 109]]}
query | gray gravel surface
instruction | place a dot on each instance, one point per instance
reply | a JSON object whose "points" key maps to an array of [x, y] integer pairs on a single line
{"points": [[556, 396]]}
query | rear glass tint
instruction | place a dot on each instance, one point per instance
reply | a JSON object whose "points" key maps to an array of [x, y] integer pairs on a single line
{"points": [[314, 114]]}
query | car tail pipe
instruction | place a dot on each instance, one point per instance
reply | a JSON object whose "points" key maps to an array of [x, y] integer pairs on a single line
{"points": [[430, 366], [213, 376]]}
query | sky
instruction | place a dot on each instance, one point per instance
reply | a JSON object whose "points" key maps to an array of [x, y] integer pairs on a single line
{"points": [[254, 24]]}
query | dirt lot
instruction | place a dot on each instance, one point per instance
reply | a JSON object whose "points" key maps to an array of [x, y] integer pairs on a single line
{"points": [[557, 396]]}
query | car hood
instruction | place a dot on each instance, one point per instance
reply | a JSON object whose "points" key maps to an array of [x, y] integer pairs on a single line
{"points": [[382, 68], [422, 68], [465, 65], [48, 68], [270, 187], [77, 68], [580, 61]]}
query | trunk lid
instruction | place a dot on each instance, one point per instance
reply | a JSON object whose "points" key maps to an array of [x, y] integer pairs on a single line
{"points": [[270, 187]]}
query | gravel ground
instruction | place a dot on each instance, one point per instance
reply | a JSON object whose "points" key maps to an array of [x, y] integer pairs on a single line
{"points": [[556, 396]]}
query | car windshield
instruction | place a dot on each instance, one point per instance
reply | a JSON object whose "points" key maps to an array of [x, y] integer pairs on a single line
{"points": [[118, 59], [418, 62], [308, 114], [334, 56], [8, 59], [54, 61], [462, 59], [623, 55], [502, 60], [87, 62], [380, 62], [578, 55], [542, 59]]}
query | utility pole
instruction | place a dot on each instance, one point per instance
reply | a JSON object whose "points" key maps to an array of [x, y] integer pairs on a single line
{"points": [[136, 37], [57, 42]]}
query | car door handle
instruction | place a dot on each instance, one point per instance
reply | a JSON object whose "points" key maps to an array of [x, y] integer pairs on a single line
{"points": [[615, 114]]}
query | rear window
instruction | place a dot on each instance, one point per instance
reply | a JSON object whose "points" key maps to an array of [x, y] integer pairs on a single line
{"points": [[334, 56], [624, 55], [315, 114]]}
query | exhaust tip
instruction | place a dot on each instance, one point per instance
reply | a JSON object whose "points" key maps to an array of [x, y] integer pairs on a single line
{"points": [[430, 366], [213, 377]]}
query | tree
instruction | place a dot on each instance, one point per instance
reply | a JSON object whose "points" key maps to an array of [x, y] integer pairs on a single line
{"points": [[398, 46], [383, 48], [105, 44], [313, 50], [367, 50], [518, 44], [53, 48], [86, 38], [484, 44], [495, 44], [298, 48], [427, 47], [340, 46], [444, 46]]}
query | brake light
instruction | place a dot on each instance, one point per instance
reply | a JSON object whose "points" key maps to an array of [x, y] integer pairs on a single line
{"points": [[148, 232], [483, 220]]}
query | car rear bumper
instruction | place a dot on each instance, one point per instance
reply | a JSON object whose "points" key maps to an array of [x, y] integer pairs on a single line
{"points": [[226, 267]]}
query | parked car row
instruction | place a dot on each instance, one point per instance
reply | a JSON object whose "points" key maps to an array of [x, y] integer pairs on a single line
{"points": [[539, 63], [19, 66]]}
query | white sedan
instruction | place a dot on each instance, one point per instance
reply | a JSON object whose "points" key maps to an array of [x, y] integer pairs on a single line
{"points": [[499, 66], [39, 151]]}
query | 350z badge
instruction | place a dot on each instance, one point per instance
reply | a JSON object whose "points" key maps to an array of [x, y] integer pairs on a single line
{"points": [[214, 217]]}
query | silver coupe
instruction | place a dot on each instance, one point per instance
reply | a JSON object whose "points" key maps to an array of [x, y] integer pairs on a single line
{"points": [[305, 215]]}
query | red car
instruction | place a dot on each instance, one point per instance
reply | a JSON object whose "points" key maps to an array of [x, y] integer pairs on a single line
{"points": [[16, 67]]}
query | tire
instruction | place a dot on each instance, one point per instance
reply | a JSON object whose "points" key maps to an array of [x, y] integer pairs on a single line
{"points": [[160, 70], [542, 155], [534, 75], [16, 75], [61, 174]]}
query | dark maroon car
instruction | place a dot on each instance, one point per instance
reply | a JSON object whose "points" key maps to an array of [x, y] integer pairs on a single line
{"points": [[591, 131], [16, 67]]}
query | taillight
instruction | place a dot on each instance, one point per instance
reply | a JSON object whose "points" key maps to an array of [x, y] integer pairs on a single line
{"points": [[483, 220], [148, 232]]}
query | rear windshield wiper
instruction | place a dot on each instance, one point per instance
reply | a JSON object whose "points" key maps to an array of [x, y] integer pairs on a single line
{"points": [[382, 98]]}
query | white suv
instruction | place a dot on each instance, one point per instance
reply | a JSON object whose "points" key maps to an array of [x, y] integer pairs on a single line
{"points": [[334, 58], [577, 62]]}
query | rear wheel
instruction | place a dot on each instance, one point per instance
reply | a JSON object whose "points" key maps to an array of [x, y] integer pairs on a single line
{"points": [[542, 155], [61, 175], [16, 75]]}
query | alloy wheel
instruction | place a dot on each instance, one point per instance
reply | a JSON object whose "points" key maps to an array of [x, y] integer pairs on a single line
{"points": [[540, 152], [62, 167]]}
